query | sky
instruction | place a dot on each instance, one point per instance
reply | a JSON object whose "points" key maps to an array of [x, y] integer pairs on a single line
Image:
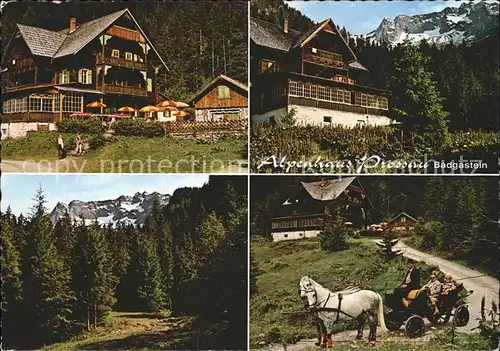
{"points": [[361, 17], [18, 190]]}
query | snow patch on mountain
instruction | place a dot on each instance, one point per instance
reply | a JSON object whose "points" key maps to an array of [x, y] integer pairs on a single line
{"points": [[471, 21], [124, 209]]}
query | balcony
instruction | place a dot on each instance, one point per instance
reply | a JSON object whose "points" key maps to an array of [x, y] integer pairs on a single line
{"points": [[121, 62], [20, 66], [323, 58], [123, 89]]}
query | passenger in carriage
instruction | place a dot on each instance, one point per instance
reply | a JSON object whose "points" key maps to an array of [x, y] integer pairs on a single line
{"points": [[448, 285], [411, 281], [433, 289]]}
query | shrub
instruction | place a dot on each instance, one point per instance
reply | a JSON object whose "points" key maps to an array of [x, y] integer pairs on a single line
{"points": [[97, 141], [133, 127], [430, 234], [88, 126], [334, 235]]}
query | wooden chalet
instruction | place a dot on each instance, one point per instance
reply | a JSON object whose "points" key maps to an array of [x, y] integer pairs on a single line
{"points": [[51, 74], [402, 222], [302, 214], [223, 98], [314, 72]]}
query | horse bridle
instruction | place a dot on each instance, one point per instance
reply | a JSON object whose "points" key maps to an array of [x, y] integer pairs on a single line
{"points": [[325, 302]]}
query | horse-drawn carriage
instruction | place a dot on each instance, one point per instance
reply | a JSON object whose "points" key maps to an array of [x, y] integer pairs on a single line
{"points": [[412, 310]]}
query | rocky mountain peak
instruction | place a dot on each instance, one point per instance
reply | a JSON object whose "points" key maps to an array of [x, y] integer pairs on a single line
{"points": [[469, 22], [124, 209]]}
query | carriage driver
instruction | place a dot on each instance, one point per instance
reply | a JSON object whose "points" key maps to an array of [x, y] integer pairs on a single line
{"points": [[411, 281], [433, 288]]}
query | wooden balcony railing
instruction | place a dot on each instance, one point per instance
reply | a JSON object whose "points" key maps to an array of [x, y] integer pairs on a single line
{"points": [[121, 62], [123, 89], [324, 58]]}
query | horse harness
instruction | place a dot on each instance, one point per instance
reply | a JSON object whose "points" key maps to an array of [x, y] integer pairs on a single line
{"points": [[331, 309]]}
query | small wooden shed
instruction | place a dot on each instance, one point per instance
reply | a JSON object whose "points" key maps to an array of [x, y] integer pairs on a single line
{"points": [[402, 222], [223, 98]]}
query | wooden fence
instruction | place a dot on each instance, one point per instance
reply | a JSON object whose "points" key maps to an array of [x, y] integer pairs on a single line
{"points": [[205, 126]]}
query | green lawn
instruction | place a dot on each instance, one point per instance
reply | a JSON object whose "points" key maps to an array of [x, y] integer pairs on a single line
{"points": [[282, 264], [132, 154]]}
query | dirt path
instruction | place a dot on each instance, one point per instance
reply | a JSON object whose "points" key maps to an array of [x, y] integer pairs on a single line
{"points": [[66, 165], [482, 286]]}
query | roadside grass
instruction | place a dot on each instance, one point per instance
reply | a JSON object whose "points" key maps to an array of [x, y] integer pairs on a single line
{"points": [[415, 241], [282, 264], [132, 154]]}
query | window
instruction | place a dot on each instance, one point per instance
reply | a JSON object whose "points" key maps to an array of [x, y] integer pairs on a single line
{"points": [[136, 58], [72, 102], [15, 105], [128, 56], [327, 119], [223, 92], [278, 92], [85, 76], [63, 77], [115, 53], [41, 103], [13, 62], [149, 82], [286, 235], [267, 66], [403, 219]]}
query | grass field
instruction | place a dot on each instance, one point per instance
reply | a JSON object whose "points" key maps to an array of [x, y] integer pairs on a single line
{"points": [[139, 331], [281, 265], [131, 154]]}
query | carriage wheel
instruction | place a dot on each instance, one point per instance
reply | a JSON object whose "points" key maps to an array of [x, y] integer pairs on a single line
{"points": [[414, 326], [392, 321], [461, 316]]}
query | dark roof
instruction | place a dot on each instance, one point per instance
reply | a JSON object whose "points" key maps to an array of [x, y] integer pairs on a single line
{"points": [[271, 35], [41, 42], [84, 33], [399, 215], [56, 44], [327, 190], [306, 34], [242, 87]]}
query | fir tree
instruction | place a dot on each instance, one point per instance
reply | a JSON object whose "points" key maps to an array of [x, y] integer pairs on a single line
{"points": [[416, 100], [334, 235]]}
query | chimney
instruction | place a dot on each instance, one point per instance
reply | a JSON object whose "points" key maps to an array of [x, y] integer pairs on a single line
{"points": [[285, 25], [72, 24]]}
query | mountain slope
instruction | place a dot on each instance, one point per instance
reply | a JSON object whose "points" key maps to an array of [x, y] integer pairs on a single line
{"points": [[124, 209], [469, 22]]}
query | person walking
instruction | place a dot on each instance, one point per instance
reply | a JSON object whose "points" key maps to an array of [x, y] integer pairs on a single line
{"points": [[60, 147], [79, 143]]}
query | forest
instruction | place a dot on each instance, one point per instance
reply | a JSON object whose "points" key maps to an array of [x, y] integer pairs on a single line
{"points": [[197, 40], [189, 258], [455, 87], [458, 216]]}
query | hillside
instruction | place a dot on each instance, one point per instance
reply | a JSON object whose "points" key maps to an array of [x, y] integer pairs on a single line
{"points": [[282, 264], [275, 325]]}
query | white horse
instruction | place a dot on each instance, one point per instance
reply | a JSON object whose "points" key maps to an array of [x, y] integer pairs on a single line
{"points": [[360, 305]]}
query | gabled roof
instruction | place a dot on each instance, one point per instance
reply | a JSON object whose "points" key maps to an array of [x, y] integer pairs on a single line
{"points": [[272, 36], [44, 42], [239, 86], [399, 215], [327, 190], [85, 33], [41, 42], [357, 65]]}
